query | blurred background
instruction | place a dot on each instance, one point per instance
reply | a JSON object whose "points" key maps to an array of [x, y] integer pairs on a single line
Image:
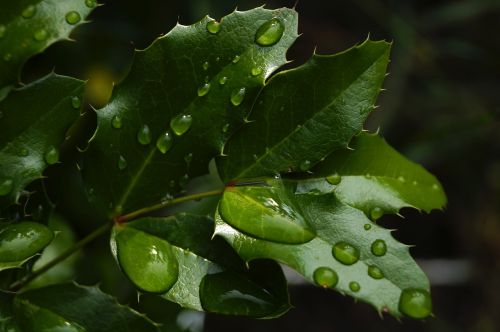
{"points": [[441, 109]]}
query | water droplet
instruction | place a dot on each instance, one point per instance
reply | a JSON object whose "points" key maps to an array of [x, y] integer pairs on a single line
{"points": [[24, 152], [375, 272], [401, 179], [237, 96], [75, 102], [236, 59], [376, 213], [206, 65], [7, 57], [367, 227], [415, 303], [225, 128], [213, 27], [51, 156], [354, 286], [345, 253], [144, 135], [203, 90], [269, 33], [164, 142], [6, 187], [368, 176], [305, 165], [188, 158], [379, 247], [2, 30], [122, 163], [90, 3], [325, 277], [256, 71], [223, 80], [183, 181], [334, 179], [181, 123], [414, 183], [73, 17], [435, 186], [29, 11], [40, 34], [116, 122]]}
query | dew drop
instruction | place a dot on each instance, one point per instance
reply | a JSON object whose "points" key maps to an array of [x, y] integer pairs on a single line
{"points": [[379, 247], [305, 165], [51, 156], [29, 11], [334, 179], [237, 96], [325, 277], [188, 158], [75, 102], [213, 27], [206, 65], [256, 71], [225, 128], [223, 80], [40, 35], [6, 187], [203, 90], [183, 181], [236, 59], [164, 142], [354, 286], [7, 57], [435, 186], [90, 3], [401, 179], [116, 122], [144, 135], [122, 163], [181, 124], [376, 213], [2, 30], [375, 272], [24, 152], [73, 17], [414, 183], [345, 253], [367, 227], [269, 33], [415, 303]]}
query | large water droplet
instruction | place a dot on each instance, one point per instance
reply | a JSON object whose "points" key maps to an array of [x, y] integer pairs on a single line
{"points": [[75, 102], [269, 33], [367, 227], [122, 163], [51, 156], [164, 142], [334, 179], [40, 34], [144, 135], [29, 11], [203, 90], [305, 165], [116, 122], [375, 272], [23, 240], [237, 96], [325, 277], [236, 59], [354, 286], [345, 253], [415, 303], [2, 30], [222, 80], [256, 71], [90, 3], [379, 247], [73, 17], [376, 213], [6, 187], [213, 27], [181, 123]]}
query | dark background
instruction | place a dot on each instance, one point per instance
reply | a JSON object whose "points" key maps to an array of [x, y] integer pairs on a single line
{"points": [[441, 109]]}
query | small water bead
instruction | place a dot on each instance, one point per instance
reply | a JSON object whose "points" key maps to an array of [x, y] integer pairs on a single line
{"points": [[183, 181], [188, 158], [90, 3], [414, 183], [24, 152], [144, 135], [435, 186], [29, 11], [376, 213], [116, 122], [415, 303], [40, 35], [164, 142], [203, 90], [379, 247], [222, 80], [206, 65], [256, 71], [345, 253], [354, 286], [225, 128], [75, 102], [181, 124], [367, 227], [6, 187], [73, 17], [237, 96], [325, 277], [2, 30], [305, 165], [236, 59], [375, 272], [269, 33], [51, 156], [122, 163], [334, 179], [213, 27], [7, 57], [401, 179]]}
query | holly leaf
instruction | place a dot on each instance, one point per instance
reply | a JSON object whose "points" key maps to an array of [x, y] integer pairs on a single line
{"points": [[349, 252], [176, 258], [28, 27], [33, 123], [375, 178], [47, 309], [304, 114], [185, 94]]}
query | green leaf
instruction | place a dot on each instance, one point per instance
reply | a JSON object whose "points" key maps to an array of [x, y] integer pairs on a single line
{"points": [[349, 253], [33, 123], [375, 178], [28, 27], [304, 114], [48, 309], [21, 241], [176, 255], [185, 94]]}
